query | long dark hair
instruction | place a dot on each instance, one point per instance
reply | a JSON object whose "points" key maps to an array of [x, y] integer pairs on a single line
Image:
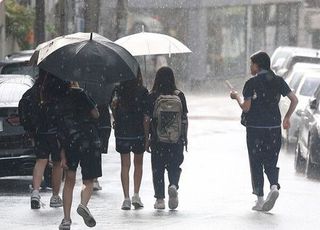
{"points": [[127, 91], [50, 86], [164, 83]]}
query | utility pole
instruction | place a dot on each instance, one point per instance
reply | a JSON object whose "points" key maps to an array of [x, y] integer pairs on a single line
{"points": [[121, 18], [62, 17], [91, 15], [40, 22]]}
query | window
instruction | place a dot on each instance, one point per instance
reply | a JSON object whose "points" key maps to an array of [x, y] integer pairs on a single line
{"points": [[310, 86]]}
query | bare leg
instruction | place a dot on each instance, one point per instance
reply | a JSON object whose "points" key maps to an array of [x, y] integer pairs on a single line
{"points": [[56, 177], [125, 167], [38, 171], [137, 175], [68, 193], [86, 191]]}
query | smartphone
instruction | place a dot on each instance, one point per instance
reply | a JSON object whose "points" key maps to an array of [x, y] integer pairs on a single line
{"points": [[229, 85]]}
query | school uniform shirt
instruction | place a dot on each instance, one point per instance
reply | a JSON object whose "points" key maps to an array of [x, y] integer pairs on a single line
{"points": [[265, 90], [75, 110], [129, 119]]}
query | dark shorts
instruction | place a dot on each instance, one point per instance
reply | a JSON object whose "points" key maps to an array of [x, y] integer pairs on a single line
{"points": [[124, 146], [45, 145], [86, 151], [104, 134]]}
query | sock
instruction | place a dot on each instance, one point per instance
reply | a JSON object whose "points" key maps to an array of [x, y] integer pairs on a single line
{"points": [[136, 194], [274, 187], [260, 199]]}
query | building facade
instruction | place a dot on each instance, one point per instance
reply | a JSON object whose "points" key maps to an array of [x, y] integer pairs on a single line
{"points": [[222, 34]]}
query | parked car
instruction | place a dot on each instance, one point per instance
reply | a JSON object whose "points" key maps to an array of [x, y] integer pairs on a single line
{"points": [[304, 87], [307, 154], [17, 156], [16, 151], [298, 70], [18, 67], [18, 63], [284, 57], [23, 55]]}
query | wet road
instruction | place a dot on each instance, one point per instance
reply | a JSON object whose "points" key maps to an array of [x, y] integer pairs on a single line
{"points": [[215, 189]]}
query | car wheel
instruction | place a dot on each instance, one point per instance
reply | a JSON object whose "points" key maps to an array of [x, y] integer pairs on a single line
{"points": [[299, 161], [312, 169]]}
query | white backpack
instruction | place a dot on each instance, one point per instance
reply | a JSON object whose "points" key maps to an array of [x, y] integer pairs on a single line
{"points": [[168, 114]]}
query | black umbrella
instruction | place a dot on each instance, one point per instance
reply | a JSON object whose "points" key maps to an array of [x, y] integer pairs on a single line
{"points": [[95, 61]]}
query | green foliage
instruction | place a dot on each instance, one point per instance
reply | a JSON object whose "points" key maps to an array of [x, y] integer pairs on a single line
{"points": [[19, 23]]}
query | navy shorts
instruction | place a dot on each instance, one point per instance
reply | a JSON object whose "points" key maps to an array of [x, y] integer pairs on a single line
{"points": [[86, 151], [45, 145], [124, 146]]}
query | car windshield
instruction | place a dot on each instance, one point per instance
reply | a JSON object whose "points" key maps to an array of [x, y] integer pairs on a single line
{"points": [[309, 86], [298, 59], [295, 81], [20, 68]]}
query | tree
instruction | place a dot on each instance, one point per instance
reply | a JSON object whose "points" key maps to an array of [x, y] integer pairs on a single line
{"points": [[19, 23], [121, 18], [91, 16], [39, 22]]}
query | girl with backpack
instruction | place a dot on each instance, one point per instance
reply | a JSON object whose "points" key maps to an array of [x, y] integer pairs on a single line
{"points": [[131, 124], [168, 135]]}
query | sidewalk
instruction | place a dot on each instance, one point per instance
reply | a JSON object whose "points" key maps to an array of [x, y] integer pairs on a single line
{"points": [[220, 107]]}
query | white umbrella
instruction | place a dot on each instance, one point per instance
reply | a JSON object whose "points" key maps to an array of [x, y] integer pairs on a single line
{"points": [[146, 43]]}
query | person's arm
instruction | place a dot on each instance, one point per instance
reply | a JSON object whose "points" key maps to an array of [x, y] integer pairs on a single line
{"points": [[146, 128], [94, 113], [185, 126], [293, 104], [245, 105]]}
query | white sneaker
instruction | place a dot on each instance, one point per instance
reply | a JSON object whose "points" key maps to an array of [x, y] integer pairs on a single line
{"points": [[126, 205], [56, 201], [271, 200], [96, 185], [173, 197], [258, 205], [159, 204], [65, 225], [136, 202], [35, 199]]}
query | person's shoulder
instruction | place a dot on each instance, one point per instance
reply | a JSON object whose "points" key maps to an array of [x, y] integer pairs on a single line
{"points": [[251, 80]]}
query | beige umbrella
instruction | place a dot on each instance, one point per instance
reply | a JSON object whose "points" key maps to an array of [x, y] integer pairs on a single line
{"points": [[146, 43]]}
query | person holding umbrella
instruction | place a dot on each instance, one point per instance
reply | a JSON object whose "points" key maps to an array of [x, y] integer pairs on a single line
{"points": [[81, 145], [262, 118], [131, 124]]}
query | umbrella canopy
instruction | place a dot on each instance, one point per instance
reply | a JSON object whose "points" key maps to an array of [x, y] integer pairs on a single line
{"points": [[91, 59], [145, 43], [46, 48]]}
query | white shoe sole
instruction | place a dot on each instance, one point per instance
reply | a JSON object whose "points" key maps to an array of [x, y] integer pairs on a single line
{"points": [[269, 203], [56, 205]]}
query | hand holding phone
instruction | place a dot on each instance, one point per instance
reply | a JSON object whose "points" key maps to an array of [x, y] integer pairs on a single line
{"points": [[229, 85]]}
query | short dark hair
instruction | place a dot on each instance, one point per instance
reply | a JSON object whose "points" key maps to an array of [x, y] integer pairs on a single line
{"points": [[262, 59]]}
